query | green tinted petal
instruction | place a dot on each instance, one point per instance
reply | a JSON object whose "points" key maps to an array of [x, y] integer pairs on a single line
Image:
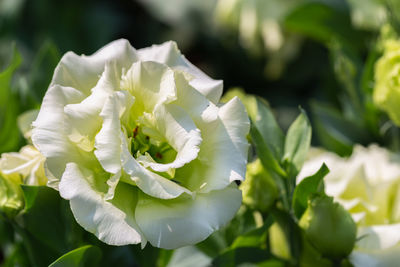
{"points": [[183, 221], [112, 221]]}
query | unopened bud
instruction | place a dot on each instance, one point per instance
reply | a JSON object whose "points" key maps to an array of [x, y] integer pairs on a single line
{"points": [[259, 190], [329, 227]]}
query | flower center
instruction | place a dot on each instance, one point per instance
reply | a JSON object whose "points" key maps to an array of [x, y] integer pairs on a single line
{"points": [[161, 152]]}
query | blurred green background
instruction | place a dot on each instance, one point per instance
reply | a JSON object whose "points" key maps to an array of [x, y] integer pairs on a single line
{"points": [[317, 54]]}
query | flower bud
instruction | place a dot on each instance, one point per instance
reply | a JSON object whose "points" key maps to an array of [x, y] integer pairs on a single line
{"points": [[259, 190], [11, 199], [329, 227]]}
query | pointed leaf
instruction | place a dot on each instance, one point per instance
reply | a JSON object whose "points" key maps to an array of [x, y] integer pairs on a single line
{"points": [[266, 156], [241, 255], [9, 107], [268, 127], [297, 143], [6, 76], [48, 219], [306, 187], [254, 238], [83, 256]]}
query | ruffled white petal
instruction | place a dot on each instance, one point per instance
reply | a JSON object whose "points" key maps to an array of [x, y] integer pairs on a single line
{"points": [[195, 104], [385, 167], [378, 246], [112, 222], [379, 236], [112, 183], [49, 134], [224, 149], [169, 54], [27, 165], [386, 258], [108, 142], [82, 72], [178, 222], [83, 118], [180, 132], [151, 83]]}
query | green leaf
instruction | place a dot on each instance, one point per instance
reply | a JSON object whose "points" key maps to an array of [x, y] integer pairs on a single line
{"points": [[213, 244], [347, 68], [244, 221], [7, 74], [254, 238], [10, 135], [237, 256], [9, 107], [164, 257], [83, 256], [269, 129], [297, 143], [367, 86], [147, 257], [30, 194], [272, 263], [266, 156], [291, 231], [43, 217], [367, 77], [49, 229], [306, 187], [262, 117], [6, 234]]}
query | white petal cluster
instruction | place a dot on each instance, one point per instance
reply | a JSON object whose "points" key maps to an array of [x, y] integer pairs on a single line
{"points": [[367, 184], [137, 142], [23, 167]]}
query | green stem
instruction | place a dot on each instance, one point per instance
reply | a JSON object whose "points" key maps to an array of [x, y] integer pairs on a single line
{"points": [[294, 237]]}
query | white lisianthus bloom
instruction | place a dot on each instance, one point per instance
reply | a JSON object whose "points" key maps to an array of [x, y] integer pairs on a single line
{"points": [[368, 185], [136, 141], [16, 168], [24, 167]]}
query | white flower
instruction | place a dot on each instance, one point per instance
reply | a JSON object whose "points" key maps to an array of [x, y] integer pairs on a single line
{"points": [[368, 185], [137, 143], [16, 168], [24, 167]]}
